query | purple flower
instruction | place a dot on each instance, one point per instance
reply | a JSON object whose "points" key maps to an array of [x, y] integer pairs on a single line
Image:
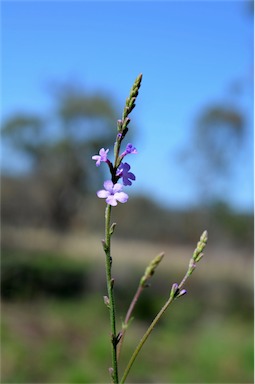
{"points": [[101, 157], [129, 150], [112, 193], [123, 171]]}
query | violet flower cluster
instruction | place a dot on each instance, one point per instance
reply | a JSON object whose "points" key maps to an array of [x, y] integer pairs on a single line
{"points": [[113, 189]]}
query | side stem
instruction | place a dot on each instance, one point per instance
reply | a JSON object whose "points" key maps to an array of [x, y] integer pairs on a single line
{"points": [[144, 338], [176, 291], [128, 316]]}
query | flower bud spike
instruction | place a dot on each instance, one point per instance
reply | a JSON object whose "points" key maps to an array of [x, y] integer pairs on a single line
{"points": [[200, 246], [150, 270]]}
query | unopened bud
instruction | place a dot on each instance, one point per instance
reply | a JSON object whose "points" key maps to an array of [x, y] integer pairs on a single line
{"points": [[111, 372], [174, 289], [181, 293], [107, 301], [112, 228], [119, 125]]}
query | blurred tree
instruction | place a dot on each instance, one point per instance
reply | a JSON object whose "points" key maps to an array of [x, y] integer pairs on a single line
{"points": [[216, 146], [60, 147], [215, 149]]}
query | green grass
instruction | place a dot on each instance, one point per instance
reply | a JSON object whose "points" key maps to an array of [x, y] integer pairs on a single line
{"points": [[67, 342], [51, 337]]}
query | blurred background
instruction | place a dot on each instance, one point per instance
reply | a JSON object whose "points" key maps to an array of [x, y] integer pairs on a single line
{"points": [[67, 68]]}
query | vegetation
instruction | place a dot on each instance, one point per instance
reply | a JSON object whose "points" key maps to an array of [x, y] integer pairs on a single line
{"points": [[49, 337], [65, 342]]}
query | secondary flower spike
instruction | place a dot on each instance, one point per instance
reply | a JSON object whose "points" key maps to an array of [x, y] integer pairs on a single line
{"points": [[123, 171], [102, 157], [112, 193]]}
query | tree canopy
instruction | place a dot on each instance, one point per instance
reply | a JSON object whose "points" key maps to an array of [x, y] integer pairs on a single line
{"points": [[60, 144]]}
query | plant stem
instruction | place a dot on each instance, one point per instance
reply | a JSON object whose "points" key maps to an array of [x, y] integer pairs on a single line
{"points": [[144, 338], [175, 293], [128, 316], [110, 284]]}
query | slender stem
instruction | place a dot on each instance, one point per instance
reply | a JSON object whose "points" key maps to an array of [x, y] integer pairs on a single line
{"points": [[128, 316], [184, 280], [110, 284], [175, 292], [144, 338]]}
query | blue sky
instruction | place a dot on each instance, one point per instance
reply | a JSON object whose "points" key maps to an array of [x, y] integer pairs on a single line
{"points": [[190, 52]]}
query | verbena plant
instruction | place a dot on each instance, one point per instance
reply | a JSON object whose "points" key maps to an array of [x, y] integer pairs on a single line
{"points": [[113, 193]]}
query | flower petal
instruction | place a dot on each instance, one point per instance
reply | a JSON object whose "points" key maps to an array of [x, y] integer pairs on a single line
{"points": [[111, 200], [122, 197], [117, 187], [131, 176], [108, 184], [127, 182], [103, 154], [101, 157], [103, 194], [98, 159]]}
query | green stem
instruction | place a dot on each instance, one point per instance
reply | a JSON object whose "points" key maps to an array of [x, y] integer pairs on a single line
{"points": [[128, 317], [175, 292], [110, 283], [144, 338]]}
